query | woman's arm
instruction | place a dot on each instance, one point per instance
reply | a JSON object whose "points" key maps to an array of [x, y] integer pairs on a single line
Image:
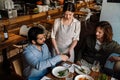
{"points": [[76, 35], [114, 58], [55, 45], [72, 46], [53, 35]]}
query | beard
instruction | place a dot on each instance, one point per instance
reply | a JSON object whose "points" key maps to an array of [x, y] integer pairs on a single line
{"points": [[39, 44]]}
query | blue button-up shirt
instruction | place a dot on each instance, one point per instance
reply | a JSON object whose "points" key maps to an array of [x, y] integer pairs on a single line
{"points": [[37, 61]]}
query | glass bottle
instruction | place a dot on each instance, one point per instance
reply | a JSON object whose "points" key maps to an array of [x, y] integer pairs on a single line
{"points": [[48, 17], [5, 31], [0, 16]]}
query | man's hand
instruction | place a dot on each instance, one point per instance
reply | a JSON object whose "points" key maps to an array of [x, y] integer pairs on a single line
{"points": [[64, 57]]}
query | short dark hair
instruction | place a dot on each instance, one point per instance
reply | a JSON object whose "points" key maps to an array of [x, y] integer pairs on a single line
{"points": [[34, 32], [69, 6], [108, 32]]}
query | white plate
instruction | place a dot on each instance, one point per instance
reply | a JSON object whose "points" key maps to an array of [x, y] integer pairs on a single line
{"points": [[45, 78], [58, 69], [83, 76], [85, 63], [78, 69]]}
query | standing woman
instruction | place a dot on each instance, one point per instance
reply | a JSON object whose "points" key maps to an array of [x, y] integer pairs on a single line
{"points": [[66, 31]]}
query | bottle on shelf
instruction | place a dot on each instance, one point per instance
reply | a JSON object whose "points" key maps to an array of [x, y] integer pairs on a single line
{"points": [[0, 16], [48, 17], [5, 31]]}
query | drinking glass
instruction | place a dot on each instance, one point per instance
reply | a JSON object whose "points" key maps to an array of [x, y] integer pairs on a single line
{"points": [[69, 76], [96, 66]]}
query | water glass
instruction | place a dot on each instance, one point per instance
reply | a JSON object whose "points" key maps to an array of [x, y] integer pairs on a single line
{"points": [[96, 66], [69, 76]]}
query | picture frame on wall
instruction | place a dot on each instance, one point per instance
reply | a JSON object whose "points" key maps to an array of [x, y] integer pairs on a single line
{"points": [[114, 1]]}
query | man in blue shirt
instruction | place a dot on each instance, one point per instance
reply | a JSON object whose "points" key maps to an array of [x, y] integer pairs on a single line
{"points": [[37, 57]]}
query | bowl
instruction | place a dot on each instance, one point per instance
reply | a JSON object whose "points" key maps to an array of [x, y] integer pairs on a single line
{"points": [[83, 77], [60, 72]]}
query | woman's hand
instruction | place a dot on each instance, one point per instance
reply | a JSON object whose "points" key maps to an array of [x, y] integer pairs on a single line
{"points": [[64, 57], [72, 46], [114, 58], [69, 51]]}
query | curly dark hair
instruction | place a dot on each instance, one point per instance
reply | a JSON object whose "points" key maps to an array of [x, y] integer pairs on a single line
{"points": [[107, 28], [34, 32]]}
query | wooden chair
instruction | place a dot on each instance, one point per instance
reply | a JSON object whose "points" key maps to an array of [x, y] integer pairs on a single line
{"points": [[17, 64], [23, 32]]}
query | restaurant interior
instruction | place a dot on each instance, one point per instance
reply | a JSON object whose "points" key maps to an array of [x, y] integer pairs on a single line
{"points": [[18, 16]]}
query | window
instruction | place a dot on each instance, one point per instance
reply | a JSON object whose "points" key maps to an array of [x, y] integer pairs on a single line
{"points": [[114, 1]]}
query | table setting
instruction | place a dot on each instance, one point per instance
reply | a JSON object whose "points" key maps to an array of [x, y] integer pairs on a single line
{"points": [[71, 71]]}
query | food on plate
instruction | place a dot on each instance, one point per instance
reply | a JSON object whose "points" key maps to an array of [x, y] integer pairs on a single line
{"points": [[103, 77], [60, 72], [83, 79], [63, 72]]}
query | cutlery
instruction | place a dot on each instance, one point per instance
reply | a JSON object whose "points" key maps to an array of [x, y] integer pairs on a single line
{"points": [[80, 69]]}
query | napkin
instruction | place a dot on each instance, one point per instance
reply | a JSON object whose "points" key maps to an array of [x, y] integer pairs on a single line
{"points": [[66, 65], [69, 66], [113, 78], [71, 69]]}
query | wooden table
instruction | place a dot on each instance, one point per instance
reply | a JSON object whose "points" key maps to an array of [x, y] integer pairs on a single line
{"points": [[92, 74], [94, 8], [50, 21], [80, 13], [13, 39]]}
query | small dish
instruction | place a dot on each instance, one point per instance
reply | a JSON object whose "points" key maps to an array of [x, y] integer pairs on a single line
{"points": [[83, 77], [57, 72]]}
